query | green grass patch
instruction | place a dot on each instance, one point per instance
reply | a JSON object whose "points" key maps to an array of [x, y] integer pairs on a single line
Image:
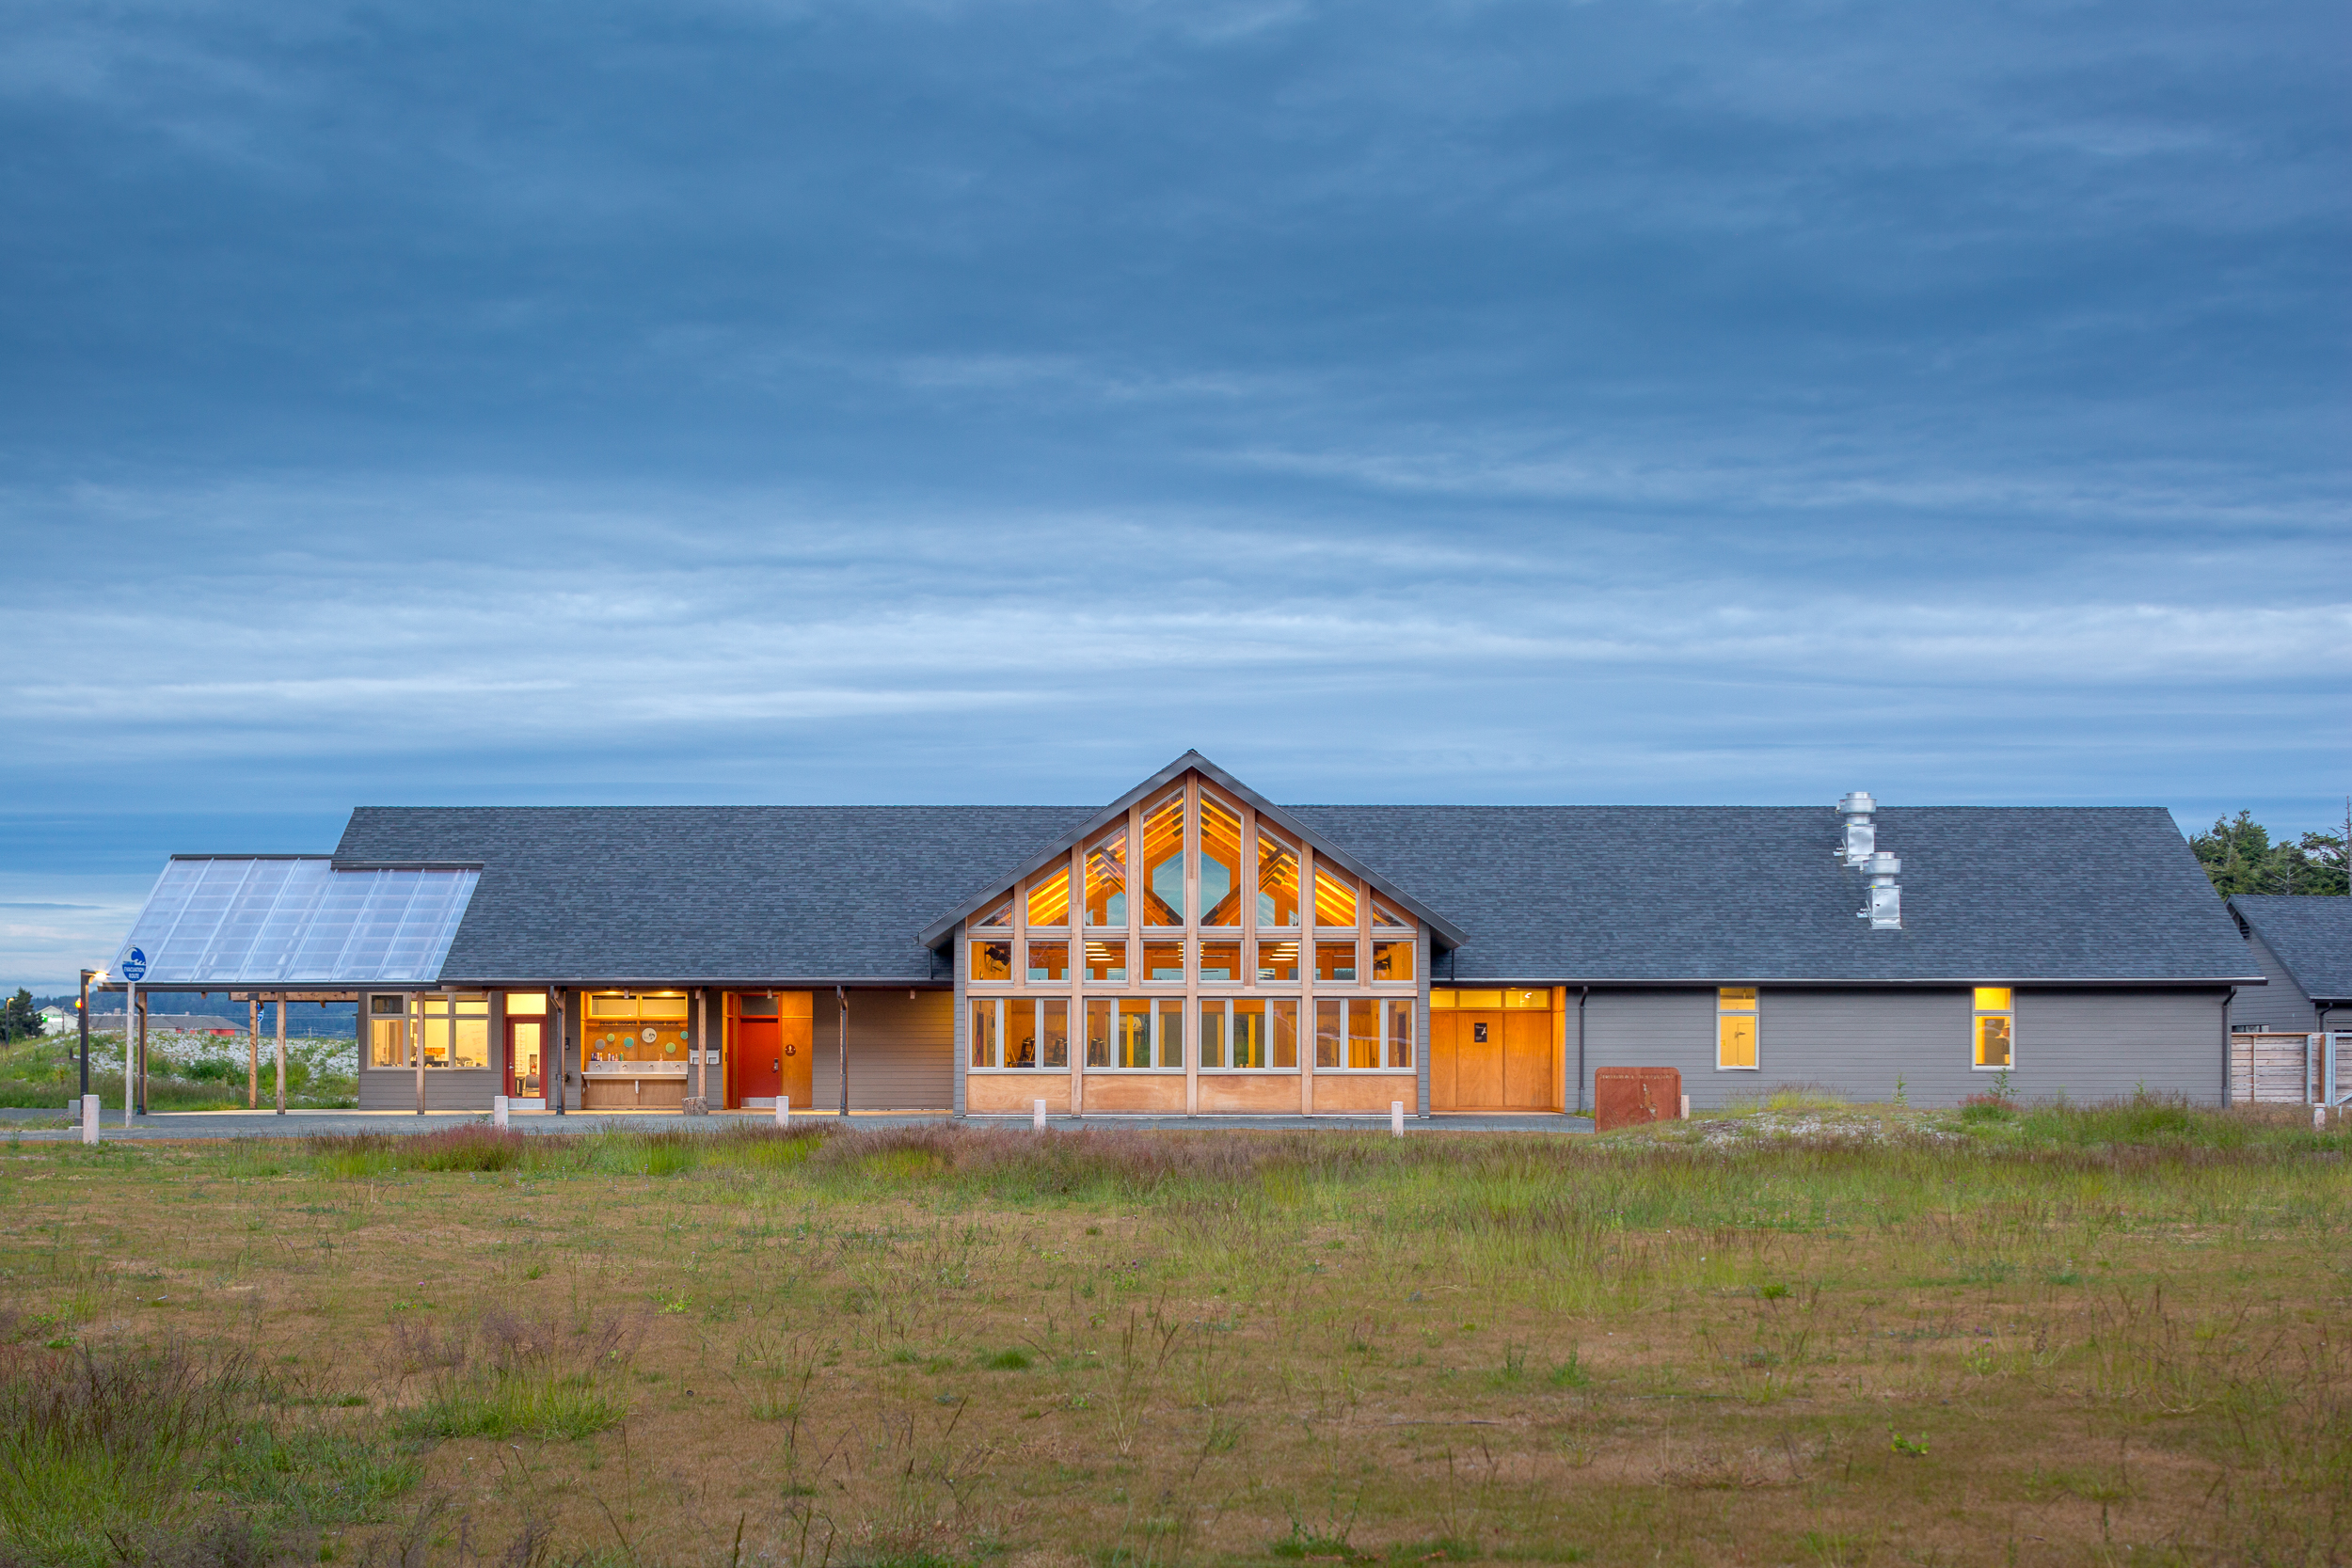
{"points": [[524, 1405]]}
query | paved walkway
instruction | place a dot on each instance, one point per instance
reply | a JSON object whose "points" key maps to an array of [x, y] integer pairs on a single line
{"points": [[182, 1125]]}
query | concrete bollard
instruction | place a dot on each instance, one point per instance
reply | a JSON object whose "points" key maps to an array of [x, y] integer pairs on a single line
{"points": [[783, 1110], [1037, 1116], [89, 1119], [1685, 1107], [1396, 1118], [2319, 1116], [498, 1109]]}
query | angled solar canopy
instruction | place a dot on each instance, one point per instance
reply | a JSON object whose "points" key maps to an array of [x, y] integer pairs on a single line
{"points": [[239, 920]]}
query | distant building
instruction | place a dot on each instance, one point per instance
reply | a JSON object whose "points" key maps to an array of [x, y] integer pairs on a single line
{"points": [[57, 1021], [169, 1024], [2303, 945]]}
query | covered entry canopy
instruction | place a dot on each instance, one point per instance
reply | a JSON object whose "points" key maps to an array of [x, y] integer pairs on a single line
{"points": [[218, 921]]}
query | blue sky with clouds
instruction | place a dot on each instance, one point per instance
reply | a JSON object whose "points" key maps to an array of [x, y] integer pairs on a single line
{"points": [[1480, 402]]}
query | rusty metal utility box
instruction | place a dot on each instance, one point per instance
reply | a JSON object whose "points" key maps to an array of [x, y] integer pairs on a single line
{"points": [[1627, 1095]]}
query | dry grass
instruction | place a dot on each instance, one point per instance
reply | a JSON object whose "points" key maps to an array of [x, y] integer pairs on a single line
{"points": [[2093, 1335]]}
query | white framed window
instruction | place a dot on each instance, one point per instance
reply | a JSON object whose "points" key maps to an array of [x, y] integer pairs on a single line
{"points": [[1020, 1033], [1136, 1034], [1364, 1034], [1992, 1028], [1248, 1034], [1737, 1015]]}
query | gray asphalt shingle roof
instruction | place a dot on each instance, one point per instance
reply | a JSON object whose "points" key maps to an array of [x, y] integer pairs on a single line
{"points": [[1757, 893], [2313, 938], [704, 893], [1566, 894]]}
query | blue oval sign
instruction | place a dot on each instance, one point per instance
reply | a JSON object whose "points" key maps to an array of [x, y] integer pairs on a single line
{"points": [[135, 966]]}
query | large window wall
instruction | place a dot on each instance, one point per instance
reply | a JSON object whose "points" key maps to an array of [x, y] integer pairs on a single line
{"points": [[1186, 940]]}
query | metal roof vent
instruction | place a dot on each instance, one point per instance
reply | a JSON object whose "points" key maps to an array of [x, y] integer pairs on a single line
{"points": [[1885, 910], [1861, 834]]}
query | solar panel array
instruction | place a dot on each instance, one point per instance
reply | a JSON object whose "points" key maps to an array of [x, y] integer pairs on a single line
{"points": [[238, 920]]}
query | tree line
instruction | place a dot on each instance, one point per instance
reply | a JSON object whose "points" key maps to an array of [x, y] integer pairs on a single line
{"points": [[2239, 856]]}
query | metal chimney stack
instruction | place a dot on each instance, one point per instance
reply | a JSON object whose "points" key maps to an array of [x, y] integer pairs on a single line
{"points": [[1861, 850], [1861, 832], [1885, 910]]}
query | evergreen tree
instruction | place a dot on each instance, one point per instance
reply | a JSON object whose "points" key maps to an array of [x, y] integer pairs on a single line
{"points": [[2238, 856], [19, 1017]]}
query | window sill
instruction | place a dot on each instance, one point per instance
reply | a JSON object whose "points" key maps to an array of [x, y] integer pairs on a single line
{"points": [[1250, 1072], [1722, 1067], [1021, 1071], [1364, 1071]]}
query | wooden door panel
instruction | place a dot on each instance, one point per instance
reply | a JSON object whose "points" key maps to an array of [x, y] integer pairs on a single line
{"points": [[1526, 1061], [1478, 1077], [796, 1056], [1442, 1095]]}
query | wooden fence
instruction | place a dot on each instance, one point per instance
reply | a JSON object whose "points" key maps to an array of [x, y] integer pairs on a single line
{"points": [[2287, 1070]]}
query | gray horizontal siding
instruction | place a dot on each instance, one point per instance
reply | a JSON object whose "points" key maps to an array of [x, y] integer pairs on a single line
{"points": [[2095, 1045], [1857, 1043], [2087, 1045], [1650, 1028], [901, 1052], [445, 1089], [2280, 1005]]}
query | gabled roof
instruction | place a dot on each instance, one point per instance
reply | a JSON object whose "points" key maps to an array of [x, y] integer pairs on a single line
{"points": [[2312, 937], [1617, 894], [1447, 933], [1600, 894]]}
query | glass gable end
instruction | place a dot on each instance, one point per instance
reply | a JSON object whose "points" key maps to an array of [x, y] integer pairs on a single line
{"points": [[242, 921]]}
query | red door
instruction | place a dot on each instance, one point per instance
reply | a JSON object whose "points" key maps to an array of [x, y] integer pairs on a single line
{"points": [[758, 1058]]}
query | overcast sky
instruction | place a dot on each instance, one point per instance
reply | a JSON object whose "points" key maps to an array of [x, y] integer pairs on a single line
{"points": [[739, 401]]}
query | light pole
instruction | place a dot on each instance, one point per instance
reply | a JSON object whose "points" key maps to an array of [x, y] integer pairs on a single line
{"points": [[81, 1010]]}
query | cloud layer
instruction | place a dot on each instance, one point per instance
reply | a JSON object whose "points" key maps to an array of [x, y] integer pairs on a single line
{"points": [[800, 401]]}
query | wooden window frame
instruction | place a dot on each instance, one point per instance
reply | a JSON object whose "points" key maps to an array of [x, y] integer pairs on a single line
{"points": [[1302, 1042], [1078, 990]]}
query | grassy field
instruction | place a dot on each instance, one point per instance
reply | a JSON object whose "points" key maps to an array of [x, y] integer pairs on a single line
{"points": [[184, 1072], [2094, 1335]]}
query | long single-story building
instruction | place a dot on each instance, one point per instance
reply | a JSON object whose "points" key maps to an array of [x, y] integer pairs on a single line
{"points": [[1192, 948]]}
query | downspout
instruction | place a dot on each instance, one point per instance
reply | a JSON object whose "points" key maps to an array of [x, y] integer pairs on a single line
{"points": [[2227, 999], [1583, 993]]}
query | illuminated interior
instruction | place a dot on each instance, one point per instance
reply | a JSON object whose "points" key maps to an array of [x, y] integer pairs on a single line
{"points": [[1993, 1022], [1195, 928], [1107, 878], [1164, 861], [1735, 1026]]}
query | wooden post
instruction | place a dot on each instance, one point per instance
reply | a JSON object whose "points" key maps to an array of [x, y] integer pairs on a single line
{"points": [[702, 1048], [142, 1022], [562, 1055], [841, 1047], [416, 1044], [281, 1052], [253, 1051]]}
